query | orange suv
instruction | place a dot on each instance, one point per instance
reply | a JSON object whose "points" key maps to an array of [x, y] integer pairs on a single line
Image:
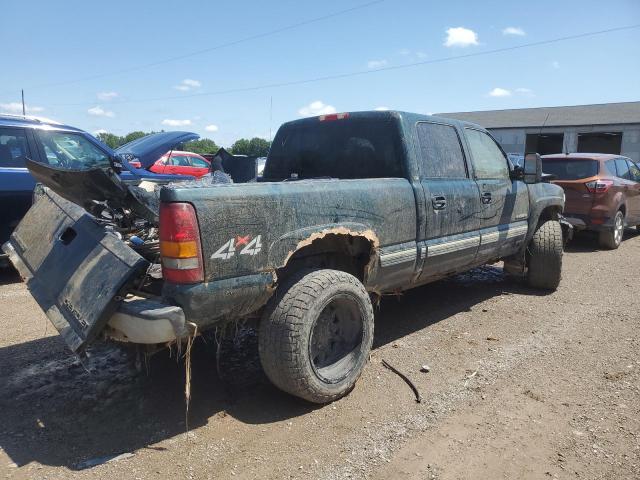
{"points": [[602, 192]]}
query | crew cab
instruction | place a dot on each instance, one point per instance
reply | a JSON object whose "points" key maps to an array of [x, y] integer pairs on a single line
{"points": [[25, 138], [350, 206]]}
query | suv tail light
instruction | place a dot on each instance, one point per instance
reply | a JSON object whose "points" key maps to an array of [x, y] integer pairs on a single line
{"points": [[599, 186], [180, 243]]}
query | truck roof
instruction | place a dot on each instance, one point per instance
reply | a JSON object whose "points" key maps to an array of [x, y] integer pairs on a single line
{"points": [[408, 117]]}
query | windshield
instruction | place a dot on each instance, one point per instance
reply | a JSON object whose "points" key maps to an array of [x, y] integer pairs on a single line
{"points": [[570, 169], [345, 148], [72, 151]]}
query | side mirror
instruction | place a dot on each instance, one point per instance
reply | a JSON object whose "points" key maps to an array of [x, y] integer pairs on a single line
{"points": [[532, 168]]}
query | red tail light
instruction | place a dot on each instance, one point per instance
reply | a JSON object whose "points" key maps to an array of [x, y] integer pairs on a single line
{"points": [[180, 243], [599, 186], [333, 116]]}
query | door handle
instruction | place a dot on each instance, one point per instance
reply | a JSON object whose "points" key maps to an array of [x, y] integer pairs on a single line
{"points": [[439, 202], [486, 198]]}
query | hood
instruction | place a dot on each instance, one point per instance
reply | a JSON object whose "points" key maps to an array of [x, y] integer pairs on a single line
{"points": [[93, 188], [150, 148]]}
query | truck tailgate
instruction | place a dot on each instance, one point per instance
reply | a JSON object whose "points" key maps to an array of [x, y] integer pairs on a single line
{"points": [[73, 267]]}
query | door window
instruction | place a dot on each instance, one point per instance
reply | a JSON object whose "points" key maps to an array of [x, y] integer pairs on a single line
{"points": [[178, 161], [72, 150], [488, 160], [198, 162], [13, 148], [634, 171], [440, 151], [623, 168], [610, 167]]}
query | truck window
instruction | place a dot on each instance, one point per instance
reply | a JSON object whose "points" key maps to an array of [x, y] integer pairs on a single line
{"points": [[488, 160], [345, 148], [13, 148], [440, 151]]}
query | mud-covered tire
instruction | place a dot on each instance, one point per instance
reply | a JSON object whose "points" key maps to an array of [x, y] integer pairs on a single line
{"points": [[545, 256], [306, 313], [612, 238]]}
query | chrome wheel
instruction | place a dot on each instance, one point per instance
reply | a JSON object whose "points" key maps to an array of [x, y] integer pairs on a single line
{"points": [[618, 228]]}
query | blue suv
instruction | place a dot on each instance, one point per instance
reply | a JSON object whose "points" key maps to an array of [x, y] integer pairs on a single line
{"points": [[30, 145]]}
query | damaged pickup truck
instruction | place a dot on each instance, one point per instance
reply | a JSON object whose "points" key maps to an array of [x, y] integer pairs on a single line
{"points": [[351, 206]]}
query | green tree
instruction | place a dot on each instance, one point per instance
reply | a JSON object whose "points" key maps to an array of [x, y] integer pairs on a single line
{"points": [[113, 141], [203, 145], [130, 137], [256, 147]]}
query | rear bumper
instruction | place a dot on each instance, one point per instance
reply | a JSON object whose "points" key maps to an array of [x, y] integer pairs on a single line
{"points": [[146, 321], [587, 222]]}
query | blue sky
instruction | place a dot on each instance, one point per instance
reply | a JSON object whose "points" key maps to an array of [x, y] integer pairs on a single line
{"points": [[68, 55]]}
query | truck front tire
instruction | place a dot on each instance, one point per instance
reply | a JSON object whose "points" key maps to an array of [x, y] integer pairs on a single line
{"points": [[316, 334], [545, 256]]}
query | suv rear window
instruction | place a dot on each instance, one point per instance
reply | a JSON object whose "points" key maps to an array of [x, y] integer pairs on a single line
{"points": [[570, 169], [345, 148]]}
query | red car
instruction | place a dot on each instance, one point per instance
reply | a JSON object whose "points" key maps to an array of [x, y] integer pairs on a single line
{"points": [[181, 163], [602, 192]]}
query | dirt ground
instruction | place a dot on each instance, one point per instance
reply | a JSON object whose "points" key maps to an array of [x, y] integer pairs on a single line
{"points": [[521, 385]]}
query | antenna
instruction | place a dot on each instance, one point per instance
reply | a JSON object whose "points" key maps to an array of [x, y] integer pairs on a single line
{"points": [[24, 110], [270, 116]]}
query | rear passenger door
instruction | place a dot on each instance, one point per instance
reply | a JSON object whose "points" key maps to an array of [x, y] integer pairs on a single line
{"points": [[505, 202], [633, 193], [452, 201]]}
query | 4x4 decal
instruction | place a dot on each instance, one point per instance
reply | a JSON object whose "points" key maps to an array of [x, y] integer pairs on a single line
{"points": [[228, 250]]}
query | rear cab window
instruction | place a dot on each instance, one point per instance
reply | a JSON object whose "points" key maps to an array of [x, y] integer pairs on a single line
{"points": [[441, 153], [570, 168], [345, 148], [14, 149]]}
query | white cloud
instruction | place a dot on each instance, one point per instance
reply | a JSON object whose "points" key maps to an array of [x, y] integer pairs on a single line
{"points": [[99, 131], [500, 92], [376, 63], [98, 111], [514, 31], [16, 107], [421, 55], [381, 109], [524, 91], [460, 37], [175, 123], [188, 84], [405, 52], [555, 64], [316, 108], [211, 128], [106, 96]]}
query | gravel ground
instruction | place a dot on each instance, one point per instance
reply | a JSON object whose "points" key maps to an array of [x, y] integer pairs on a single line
{"points": [[521, 385]]}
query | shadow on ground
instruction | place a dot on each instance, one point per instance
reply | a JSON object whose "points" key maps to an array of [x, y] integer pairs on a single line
{"points": [[57, 413], [587, 242]]}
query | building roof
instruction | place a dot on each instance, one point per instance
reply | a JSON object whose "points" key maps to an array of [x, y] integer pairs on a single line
{"points": [[576, 115]]}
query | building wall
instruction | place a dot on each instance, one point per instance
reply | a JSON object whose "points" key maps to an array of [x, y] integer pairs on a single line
{"points": [[513, 139]]}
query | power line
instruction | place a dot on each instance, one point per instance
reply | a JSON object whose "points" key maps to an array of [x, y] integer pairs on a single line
{"points": [[366, 72], [211, 49]]}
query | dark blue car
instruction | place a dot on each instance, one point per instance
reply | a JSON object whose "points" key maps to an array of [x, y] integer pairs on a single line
{"points": [[24, 140]]}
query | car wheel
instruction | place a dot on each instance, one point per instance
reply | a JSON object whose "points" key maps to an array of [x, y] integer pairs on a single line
{"points": [[316, 334], [611, 239], [545, 256]]}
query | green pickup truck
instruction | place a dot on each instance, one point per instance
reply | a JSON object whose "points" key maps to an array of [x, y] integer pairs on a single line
{"points": [[350, 206]]}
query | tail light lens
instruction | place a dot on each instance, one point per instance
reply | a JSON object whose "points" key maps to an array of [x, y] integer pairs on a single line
{"points": [[599, 186], [333, 116], [180, 243]]}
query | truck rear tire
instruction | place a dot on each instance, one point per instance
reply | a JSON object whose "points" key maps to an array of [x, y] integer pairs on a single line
{"points": [[316, 334], [545, 256], [611, 239]]}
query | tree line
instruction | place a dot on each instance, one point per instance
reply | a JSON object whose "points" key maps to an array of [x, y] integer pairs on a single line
{"points": [[255, 147]]}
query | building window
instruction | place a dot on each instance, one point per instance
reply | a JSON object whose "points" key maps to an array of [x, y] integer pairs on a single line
{"points": [[600, 142], [544, 143]]}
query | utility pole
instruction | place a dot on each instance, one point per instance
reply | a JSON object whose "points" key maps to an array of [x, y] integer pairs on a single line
{"points": [[24, 110]]}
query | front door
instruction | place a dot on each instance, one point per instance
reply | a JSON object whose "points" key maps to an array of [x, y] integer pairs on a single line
{"points": [[452, 201], [504, 209]]}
